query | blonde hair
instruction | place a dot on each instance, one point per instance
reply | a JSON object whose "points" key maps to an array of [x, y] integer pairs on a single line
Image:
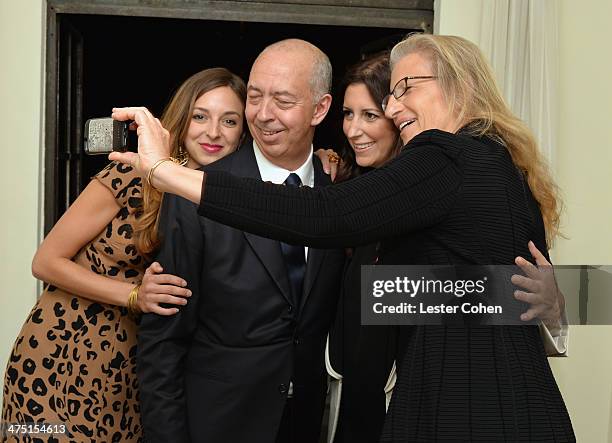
{"points": [[176, 119], [469, 86]]}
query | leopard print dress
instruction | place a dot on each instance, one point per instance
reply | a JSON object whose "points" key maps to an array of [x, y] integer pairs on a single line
{"points": [[74, 360]]}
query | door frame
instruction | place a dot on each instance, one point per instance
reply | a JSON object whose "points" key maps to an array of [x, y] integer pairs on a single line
{"points": [[406, 14]]}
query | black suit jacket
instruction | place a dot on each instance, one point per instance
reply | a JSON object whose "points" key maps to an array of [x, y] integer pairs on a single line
{"points": [[219, 370]]}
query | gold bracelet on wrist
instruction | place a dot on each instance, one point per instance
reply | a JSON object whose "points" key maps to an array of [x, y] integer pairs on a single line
{"points": [[155, 165], [132, 305]]}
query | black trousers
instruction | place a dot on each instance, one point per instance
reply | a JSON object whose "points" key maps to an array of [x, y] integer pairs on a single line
{"points": [[293, 429], [286, 430]]}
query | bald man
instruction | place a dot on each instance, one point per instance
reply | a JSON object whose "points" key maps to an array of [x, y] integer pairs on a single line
{"points": [[243, 361]]}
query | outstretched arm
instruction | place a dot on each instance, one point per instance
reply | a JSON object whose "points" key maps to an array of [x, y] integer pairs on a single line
{"points": [[414, 191]]}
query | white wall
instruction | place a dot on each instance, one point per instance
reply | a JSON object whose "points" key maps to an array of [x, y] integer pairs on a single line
{"points": [[583, 170], [584, 173], [461, 18], [584, 162], [21, 37]]}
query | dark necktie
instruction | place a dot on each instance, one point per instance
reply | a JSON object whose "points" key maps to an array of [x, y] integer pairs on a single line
{"points": [[294, 255]]}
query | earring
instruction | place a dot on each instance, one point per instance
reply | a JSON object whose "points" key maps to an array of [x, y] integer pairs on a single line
{"points": [[183, 156]]}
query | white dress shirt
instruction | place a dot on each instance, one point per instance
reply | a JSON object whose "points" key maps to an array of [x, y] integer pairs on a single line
{"points": [[275, 174]]}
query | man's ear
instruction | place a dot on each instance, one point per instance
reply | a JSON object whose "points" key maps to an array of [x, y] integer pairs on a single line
{"points": [[321, 109]]}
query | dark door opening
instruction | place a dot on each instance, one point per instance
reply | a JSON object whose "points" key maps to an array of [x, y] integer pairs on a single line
{"points": [[99, 69]]}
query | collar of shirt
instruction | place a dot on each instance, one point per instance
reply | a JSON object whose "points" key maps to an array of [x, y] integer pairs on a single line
{"points": [[272, 173]]}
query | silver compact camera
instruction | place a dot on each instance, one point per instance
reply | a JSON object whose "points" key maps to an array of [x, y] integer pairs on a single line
{"points": [[104, 135]]}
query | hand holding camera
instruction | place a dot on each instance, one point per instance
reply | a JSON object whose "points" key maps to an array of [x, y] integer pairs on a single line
{"points": [[110, 136], [153, 139]]}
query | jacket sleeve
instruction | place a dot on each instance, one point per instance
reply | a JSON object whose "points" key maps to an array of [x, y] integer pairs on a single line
{"points": [[164, 341], [414, 191]]}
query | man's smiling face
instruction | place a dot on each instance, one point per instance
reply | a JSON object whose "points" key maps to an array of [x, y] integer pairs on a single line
{"points": [[280, 109]]}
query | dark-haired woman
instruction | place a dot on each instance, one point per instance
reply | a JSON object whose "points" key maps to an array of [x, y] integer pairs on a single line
{"points": [[361, 359]]}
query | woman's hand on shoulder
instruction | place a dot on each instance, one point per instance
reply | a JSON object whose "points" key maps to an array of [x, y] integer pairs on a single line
{"points": [[157, 289], [330, 160]]}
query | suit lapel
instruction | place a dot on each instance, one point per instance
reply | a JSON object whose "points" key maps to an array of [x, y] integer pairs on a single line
{"points": [[315, 256], [268, 251]]}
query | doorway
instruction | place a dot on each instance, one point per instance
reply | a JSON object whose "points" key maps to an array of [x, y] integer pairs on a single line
{"points": [[92, 67]]}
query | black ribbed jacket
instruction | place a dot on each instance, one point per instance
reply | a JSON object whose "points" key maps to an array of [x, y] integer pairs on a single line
{"points": [[446, 199]]}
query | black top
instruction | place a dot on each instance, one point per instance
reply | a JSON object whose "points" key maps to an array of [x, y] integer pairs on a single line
{"points": [[446, 199], [415, 191], [363, 355], [450, 196]]}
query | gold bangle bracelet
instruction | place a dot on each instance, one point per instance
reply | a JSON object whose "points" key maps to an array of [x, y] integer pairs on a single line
{"points": [[132, 306], [155, 165]]}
